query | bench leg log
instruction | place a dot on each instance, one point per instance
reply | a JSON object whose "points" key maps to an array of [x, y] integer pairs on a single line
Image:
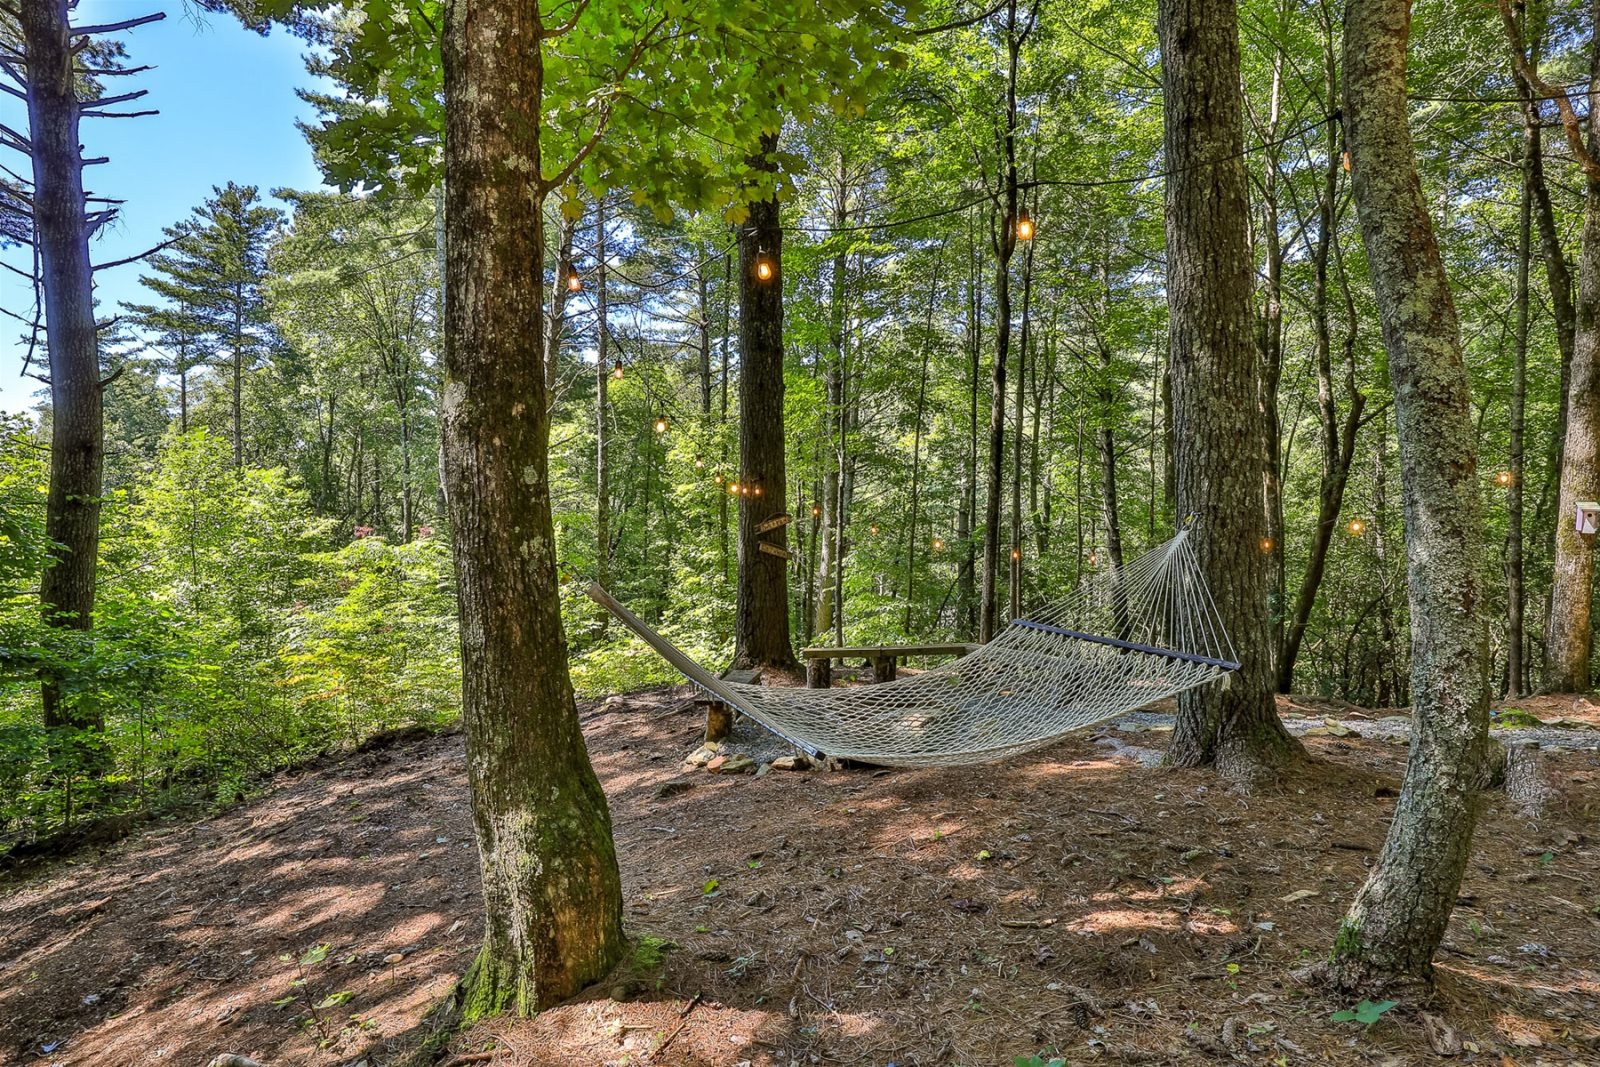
{"points": [[819, 674], [719, 721], [883, 668]]}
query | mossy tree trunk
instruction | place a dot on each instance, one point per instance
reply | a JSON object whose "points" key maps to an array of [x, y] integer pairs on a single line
{"points": [[1399, 915], [1219, 432], [551, 893], [1568, 628]]}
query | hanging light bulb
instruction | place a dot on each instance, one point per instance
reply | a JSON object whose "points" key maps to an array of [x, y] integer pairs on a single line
{"points": [[1356, 527], [756, 490], [764, 266], [616, 370], [938, 544], [1024, 227], [699, 462], [1016, 554], [574, 282], [1504, 478], [816, 509], [1094, 557], [717, 477], [1266, 544], [874, 529], [661, 424], [733, 488]]}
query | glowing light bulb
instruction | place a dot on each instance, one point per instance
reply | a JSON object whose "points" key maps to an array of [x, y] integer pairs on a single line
{"points": [[1094, 557], [574, 283], [733, 488], [1016, 554], [661, 424], [1266, 544], [1503, 478], [874, 529], [699, 462], [1024, 227], [1356, 527], [938, 544], [616, 371], [717, 477], [764, 269], [816, 510], [756, 490]]}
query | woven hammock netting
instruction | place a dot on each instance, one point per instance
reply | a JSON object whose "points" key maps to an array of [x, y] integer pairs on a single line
{"points": [[1125, 638]]}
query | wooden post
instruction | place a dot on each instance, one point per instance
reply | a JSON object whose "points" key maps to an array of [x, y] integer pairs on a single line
{"points": [[819, 674], [883, 668], [719, 721]]}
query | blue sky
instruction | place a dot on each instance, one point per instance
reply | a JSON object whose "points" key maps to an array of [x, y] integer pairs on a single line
{"points": [[228, 111]]}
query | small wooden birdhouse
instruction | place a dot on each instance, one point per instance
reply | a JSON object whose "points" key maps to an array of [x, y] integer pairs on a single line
{"points": [[1588, 516]]}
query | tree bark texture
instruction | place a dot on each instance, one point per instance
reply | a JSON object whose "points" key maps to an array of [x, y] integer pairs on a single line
{"points": [[761, 608], [552, 896], [1218, 429], [1399, 915], [1568, 626], [77, 440]]}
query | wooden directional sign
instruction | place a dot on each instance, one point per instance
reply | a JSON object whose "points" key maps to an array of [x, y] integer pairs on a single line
{"points": [[774, 550], [773, 523]]}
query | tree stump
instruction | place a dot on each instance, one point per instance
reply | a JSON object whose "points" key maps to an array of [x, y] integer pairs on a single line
{"points": [[719, 721], [819, 674]]}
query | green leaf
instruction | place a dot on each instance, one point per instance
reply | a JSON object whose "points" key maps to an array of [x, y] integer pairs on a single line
{"points": [[314, 956], [333, 1000], [1367, 1012]]}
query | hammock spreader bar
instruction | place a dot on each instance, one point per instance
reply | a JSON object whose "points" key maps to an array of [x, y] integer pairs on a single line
{"points": [[1117, 642]]}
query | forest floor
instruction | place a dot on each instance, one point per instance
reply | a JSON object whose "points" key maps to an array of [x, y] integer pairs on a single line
{"points": [[1073, 903]]}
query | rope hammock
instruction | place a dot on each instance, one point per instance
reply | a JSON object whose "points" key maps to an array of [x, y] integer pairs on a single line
{"points": [[1125, 638]]}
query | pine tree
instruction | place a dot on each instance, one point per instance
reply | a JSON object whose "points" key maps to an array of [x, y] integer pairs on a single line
{"points": [[212, 278]]}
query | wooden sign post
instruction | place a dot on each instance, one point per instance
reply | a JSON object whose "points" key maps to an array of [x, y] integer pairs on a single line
{"points": [[774, 550], [774, 523]]}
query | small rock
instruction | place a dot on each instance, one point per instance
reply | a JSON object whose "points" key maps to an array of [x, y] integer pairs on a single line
{"points": [[393, 958], [1298, 894], [673, 788], [702, 755], [763, 770], [791, 763], [1442, 1038], [736, 763], [715, 764]]}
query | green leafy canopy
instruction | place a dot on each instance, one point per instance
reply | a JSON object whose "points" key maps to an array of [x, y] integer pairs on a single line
{"points": [[664, 98]]}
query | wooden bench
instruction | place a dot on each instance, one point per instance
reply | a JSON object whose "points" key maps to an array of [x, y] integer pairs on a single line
{"points": [[884, 658], [719, 717]]}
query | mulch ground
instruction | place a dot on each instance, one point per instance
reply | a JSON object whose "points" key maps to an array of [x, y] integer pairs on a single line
{"points": [[1066, 904]]}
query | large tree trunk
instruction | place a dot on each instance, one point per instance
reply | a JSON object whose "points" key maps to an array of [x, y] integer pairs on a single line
{"points": [[551, 893], [77, 439], [1218, 431], [761, 611], [1567, 628], [1399, 915]]}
